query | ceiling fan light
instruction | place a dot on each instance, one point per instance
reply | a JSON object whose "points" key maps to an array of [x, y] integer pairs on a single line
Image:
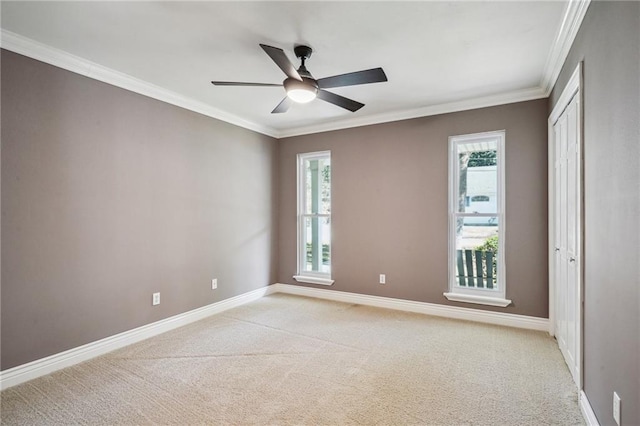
{"points": [[301, 95], [301, 91]]}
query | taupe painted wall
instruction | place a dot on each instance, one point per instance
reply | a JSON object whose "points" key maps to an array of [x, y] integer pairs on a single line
{"points": [[389, 208], [609, 44], [109, 196]]}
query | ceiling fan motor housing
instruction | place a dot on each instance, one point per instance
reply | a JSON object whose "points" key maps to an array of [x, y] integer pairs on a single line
{"points": [[302, 52], [306, 84]]}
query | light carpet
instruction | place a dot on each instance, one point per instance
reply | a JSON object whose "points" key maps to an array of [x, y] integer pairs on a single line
{"points": [[298, 361]]}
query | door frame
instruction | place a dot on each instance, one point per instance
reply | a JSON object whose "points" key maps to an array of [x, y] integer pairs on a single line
{"points": [[574, 87]]}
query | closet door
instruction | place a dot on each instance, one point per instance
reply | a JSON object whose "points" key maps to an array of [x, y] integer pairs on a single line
{"points": [[560, 129], [567, 236]]}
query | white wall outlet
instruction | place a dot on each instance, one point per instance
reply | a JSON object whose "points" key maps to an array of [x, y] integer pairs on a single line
{"points": [[156, 299], [616, 408], [383, 279], [214, 284]]}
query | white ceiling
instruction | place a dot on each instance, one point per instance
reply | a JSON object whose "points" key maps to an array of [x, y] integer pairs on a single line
{"points": [[435, 54]]}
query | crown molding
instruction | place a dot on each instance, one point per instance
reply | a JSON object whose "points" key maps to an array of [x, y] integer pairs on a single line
{"points": [[573, 15], [56, 57], [468, 104], [61, 59]]}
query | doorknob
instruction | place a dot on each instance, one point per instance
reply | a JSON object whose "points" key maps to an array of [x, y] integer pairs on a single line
{"points": [[572, 259], [557, 249]]}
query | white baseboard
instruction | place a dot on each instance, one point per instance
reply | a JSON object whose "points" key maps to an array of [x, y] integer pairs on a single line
{"points": [[22, 373], [43, 366], [489, 317], [587, 412]]}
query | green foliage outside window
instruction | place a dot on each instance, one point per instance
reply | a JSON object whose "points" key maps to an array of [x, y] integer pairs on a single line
{"points": [[483, 158], [490, 244], [325, 254]]}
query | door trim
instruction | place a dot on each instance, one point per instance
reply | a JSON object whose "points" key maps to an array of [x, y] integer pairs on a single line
{"points": [[574, 87]]}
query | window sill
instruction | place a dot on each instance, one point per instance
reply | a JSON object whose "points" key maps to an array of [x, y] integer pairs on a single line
{"points": [[480, 300], [313, 280]]}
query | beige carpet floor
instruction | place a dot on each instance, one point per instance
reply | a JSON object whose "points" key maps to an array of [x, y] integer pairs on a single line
{"points": [[293, 360]]}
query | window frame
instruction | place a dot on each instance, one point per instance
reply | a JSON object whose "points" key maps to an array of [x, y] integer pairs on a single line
{"points": [[483, 296], [311, 277]]}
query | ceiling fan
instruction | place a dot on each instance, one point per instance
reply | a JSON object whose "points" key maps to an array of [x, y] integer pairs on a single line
{"points": [[301, 87]]}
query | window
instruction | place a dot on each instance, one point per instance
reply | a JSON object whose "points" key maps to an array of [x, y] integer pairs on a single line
{"points": [[476, 219], [314, 218]]}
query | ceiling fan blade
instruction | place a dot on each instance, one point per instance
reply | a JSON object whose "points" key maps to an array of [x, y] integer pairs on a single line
{"points": [[340, 101], [239, 83], [282, 61], [283, 106], [374, 75]]}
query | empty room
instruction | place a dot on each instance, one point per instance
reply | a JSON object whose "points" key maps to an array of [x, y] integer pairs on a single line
{"points": [[320, 213]]}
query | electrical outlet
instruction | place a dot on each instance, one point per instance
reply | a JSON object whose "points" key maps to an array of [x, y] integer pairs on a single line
{"points": [[214, 284], [156, 299], [383, 279], [616, 408]]}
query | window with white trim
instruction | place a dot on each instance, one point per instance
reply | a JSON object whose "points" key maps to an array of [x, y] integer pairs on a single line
{"points": [[314, 218], [476, 219]]}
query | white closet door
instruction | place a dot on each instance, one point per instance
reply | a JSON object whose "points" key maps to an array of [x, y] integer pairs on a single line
{"points": [[560, 227], [567, 238], [573, 221]]}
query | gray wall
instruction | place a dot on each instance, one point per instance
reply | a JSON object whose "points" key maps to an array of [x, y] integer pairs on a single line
{"points": [[389, 206], [109, 196], [609, 44]]}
